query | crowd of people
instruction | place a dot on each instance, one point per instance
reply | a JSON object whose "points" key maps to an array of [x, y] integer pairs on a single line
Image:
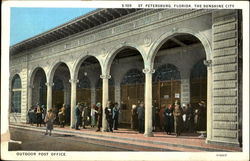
{"points": [[86, 116], [173, 118]]}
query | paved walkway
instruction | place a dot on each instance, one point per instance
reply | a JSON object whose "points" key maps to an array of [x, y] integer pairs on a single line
{"points": [[131, 140]]}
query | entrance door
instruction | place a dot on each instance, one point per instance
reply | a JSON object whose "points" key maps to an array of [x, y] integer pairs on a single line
{"points": [[130, 94]]}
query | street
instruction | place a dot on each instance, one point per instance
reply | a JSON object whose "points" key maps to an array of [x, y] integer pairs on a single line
{"points": [[37, 141]]}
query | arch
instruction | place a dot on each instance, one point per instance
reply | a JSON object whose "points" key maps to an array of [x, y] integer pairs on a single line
{"points": [[166, 72], [133, 76], [198, 70], [33, 73], [114, 51], [53, 68], [16, 94], [78, 63], [166, 36]]}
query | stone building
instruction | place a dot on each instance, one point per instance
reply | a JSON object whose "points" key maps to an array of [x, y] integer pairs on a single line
{"points": [[134, 55]]}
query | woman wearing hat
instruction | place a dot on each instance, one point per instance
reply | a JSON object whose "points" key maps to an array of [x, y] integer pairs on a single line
{"points": [[49, 119]]}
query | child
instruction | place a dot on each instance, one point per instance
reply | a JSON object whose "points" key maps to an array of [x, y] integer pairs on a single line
{"points": [[49, 119]]}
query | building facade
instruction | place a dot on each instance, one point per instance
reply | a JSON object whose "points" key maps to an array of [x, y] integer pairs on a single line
{"points": [[136, 55]]}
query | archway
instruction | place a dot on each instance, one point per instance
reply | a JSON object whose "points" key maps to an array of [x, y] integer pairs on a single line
{"points": [[16, 94], [39, 90], [126, 69], [61, 90], [183, 50], [88, 72]]}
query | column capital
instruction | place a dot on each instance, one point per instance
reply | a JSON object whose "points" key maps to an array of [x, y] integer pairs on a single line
{"points": [[105, 76], [73, 81], [49, 83], [208, 63], [148, 71]]}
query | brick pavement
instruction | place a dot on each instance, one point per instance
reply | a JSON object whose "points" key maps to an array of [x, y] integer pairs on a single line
{"points": [[131, 140]]}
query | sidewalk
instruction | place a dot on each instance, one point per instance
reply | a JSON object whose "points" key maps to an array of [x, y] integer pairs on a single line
{"points": [[127, 140]]}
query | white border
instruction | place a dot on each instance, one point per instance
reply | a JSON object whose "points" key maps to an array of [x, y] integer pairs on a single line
{"points": [[244, 5]]}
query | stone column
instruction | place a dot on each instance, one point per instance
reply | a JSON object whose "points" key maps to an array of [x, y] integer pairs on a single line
{"points": [[209, 102], [30, 88], [93, 96], [148, 102], [49, 94], [73, 102], [105, 98]]}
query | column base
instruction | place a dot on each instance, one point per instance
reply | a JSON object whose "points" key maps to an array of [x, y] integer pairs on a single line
{"points": [[150, 134], [104, 130], [215, 142]]}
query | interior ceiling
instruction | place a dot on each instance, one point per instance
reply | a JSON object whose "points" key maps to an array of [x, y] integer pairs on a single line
{"points": [[180, 41]]}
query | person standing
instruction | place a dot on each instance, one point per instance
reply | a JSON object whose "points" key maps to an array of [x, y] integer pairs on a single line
{"points": [[38, 115], [93, 113], [184, 117], [86, 116], [190, 118], [178, 119], [202, 116], [141, 115], [169, 118], [99, 116], [134, 117], [49, 119], [109, 115], [31, 115], [116, 112], [78, 116], [62, 115], [161, 116]]}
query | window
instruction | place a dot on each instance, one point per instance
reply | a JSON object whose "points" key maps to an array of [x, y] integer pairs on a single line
{"points": [[16, 95]]}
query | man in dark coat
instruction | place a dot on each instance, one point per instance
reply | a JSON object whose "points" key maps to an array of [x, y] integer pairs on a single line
{"points": [[190, 118], [116, 112], [99, 116], [141, 115], [78, 116], [169, 119], [134, 118], [109, 115]]}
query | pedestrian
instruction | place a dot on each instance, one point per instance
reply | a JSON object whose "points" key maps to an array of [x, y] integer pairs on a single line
{"points": [[38, 115], [184, 117], [169, 119], [62, 116], [86, 116], [49, 119], [190, 118], [178, 119], [202, 116], [99, 116], [161, 116], [44, 111], [154, 116], [31, 115], [78, 116], [141, 115], [93, 113], [134, 117], [109, 115], [115, 115]]}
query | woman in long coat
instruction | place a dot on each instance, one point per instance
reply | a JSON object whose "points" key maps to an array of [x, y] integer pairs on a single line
{"points": [[99, 117], [49, 119]]}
